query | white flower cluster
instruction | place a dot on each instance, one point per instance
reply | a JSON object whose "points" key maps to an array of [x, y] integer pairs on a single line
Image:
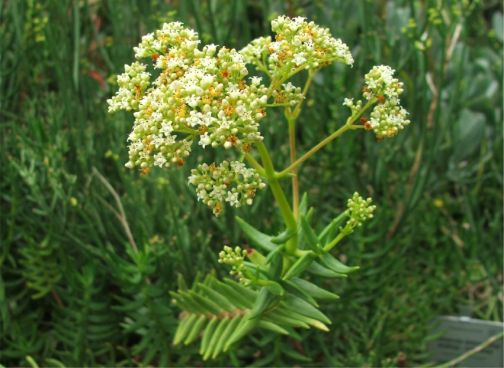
{"points": [[380, 81], [173, 36], [234, 257], [298, 45], [359, 210], [132, 84], [353, 106], [387, 117], [197, 93], [230, 182], [288, 94]]}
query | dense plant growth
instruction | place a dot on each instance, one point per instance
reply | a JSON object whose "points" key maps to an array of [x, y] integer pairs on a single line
{"points": [[203, 95], [90, 251]]}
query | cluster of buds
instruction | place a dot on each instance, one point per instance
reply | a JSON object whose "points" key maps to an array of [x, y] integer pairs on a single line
{"points": [[387, 117], [230, 182], [171, 34], [132, 84], [288, 95], [358, 210], [354, 106], [298, 45], [380, 81], [235, 258], [198, 94]]}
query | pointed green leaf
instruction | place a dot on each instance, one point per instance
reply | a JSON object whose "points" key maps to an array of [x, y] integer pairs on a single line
{"points": [[314, 290], [206, 304], [216, 336], [309, 235], [181, 282], [318, 325], [273, 287], [300, 306], [262, 302], [319, 270], [273, 327], [334, 264], [301, 318], [183, 304], [278, 250], [207, 280], [246, 292], [256, 237], [299, 266], [243, 328], [184, 328], [256, 257], [281, 315], [294, 289], [209, 330], [284, 236], [219, 299], [225, 335], [303, 205], [309, 214], [232, 295], [195, 329], [275, 259], [329, 231]]}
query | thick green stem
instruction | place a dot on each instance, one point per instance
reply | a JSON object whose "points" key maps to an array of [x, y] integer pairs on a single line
{"points": [[279, 195], [291, 120], [295, 180]]}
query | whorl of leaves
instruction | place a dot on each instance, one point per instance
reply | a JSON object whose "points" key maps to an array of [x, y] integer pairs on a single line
{"points": [[221, 313]]}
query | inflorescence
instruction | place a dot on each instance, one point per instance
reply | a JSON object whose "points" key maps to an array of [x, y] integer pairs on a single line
{"points": [[230, 182], [199, 94], [180, 94], [359, 210], [235, 258], [298, 45], [388, 117]]}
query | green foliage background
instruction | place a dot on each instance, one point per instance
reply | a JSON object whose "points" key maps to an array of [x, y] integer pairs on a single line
{"points": [[89, 250]]}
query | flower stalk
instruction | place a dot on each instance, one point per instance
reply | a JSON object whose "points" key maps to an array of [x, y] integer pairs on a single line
{"points": [[347, 126]]}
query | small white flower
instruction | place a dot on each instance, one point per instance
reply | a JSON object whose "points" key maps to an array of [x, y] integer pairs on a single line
{"points": [[204, 140], [299, 59], [348, 102], [192, 101], [255, 80]]}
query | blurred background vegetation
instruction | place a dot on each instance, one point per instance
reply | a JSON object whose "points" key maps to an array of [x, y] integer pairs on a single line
{"points": [[73, 291]]}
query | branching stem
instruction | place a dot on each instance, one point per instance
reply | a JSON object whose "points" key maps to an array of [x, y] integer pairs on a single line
{"points": [[256, 165], [348, 126]]}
